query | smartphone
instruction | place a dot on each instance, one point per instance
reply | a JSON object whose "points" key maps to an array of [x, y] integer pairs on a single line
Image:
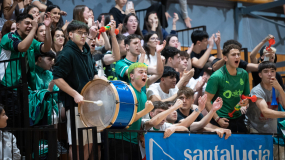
{"points": [[130, 5]]}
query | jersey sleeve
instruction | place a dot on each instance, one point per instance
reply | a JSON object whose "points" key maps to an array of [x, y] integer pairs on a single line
{"points": [[37, 46], [10, 43], [121, 68]]}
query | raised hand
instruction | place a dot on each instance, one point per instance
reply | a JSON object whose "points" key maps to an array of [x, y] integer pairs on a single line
{"points": [[47, 19], [148, 106], [167, 15], [175, 18], [200, 84], [274, 83], [218, 38], [113, 27], [120, 27], [269, 37], [202, 102], [190, 49], [93, 31], [168, 132], [102, 23], [187, 22], [160, 47], [211, 40], [217, 104], [178, 104]]}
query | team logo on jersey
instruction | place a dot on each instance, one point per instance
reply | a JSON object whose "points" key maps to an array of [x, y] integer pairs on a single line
{"points": [[241, 82]]}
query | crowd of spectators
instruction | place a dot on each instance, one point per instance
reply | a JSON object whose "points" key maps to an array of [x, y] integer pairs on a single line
{"points": [[176, 90]]}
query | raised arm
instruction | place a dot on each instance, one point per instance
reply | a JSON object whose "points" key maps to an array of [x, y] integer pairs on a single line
{"points": [[218, 41], [115, 56], [159, 67], [8, 9], [24, 45], [199, 63], [41, 6], [146, 110], [175, 19], [47, 43], [253, 58], [154, 121], [190, 49]]}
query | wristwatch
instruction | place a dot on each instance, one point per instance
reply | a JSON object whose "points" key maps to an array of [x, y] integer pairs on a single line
{"points": [[197, 110]]}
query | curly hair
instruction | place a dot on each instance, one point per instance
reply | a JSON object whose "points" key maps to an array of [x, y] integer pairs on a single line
{"points": [[227, 49]]}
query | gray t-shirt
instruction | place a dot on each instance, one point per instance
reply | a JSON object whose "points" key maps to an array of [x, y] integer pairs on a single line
{"points": [[256, 119]]}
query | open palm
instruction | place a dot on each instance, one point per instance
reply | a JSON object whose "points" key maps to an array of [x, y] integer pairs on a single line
{"points": [[160, 47], [218, 104], [47, 19]]}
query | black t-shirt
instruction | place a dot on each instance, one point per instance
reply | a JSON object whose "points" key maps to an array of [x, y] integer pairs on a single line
{"points": [[257, 79], [182, 116], [118, 16], [198, 72], [242, 63]]}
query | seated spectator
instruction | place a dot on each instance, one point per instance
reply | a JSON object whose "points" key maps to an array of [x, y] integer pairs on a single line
{"points": [[151, 41], [189, 110], [42, 4], [185, 62], [167, 89], [118, 13], [131, 25], [12, 9], [272, 57], [134, 48], [58, 40], [44, 84], [219, 62], [201, 54], [229, 82], [103, 60], [262, 116], [152, 23], [9, 26], [23, 44], [34, 11], [56, 16], [8, 144], [172, 117], [172, 41]]}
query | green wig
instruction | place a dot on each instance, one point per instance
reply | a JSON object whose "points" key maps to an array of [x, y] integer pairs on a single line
{"points": [[134, 66]]}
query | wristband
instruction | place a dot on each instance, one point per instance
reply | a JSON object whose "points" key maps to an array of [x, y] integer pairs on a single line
{"points": [[217, 118]]}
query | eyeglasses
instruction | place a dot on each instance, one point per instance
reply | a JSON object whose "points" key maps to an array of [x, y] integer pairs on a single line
{"points": [[81, 33], [154, 39]]}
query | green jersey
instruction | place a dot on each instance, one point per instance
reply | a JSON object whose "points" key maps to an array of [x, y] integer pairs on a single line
{"points": [[229, 88], [141, 97], [121, 67], [10, 74], [110, 70]]}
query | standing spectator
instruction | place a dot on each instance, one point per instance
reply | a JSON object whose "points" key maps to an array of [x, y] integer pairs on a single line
{"points": [[18, 44], [152, 23], [42, 4], [118, 13], [12, 9], [82, 13], [229, 82]]}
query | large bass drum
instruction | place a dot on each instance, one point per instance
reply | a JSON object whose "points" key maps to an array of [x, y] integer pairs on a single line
{"points": [[119, 105]]}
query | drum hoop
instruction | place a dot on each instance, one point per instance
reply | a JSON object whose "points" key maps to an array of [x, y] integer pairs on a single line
{"points": [[117, 105], [136, 106]]}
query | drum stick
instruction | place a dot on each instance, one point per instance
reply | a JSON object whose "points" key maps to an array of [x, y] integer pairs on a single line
{"points": [[99, 103]]}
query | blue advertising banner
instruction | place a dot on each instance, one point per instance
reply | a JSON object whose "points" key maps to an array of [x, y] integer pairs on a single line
{"points": [[183, 146]]}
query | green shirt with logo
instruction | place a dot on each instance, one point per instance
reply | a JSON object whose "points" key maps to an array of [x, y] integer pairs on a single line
{"points": [[229, 88], [121, 67]]}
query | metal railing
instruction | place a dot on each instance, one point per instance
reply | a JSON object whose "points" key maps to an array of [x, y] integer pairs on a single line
{"points": [[184, 35]]}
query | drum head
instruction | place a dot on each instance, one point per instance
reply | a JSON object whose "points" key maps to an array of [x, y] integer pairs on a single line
{"points": [[101, 118]]}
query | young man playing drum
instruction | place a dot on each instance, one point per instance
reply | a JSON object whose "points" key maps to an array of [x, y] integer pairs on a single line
{"points": [[73, 69], [128, 147]]}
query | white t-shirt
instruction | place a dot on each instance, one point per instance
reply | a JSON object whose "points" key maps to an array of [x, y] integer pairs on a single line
{"points": [[155, 89], [192, 83], [152, 59], [161, 128]]}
